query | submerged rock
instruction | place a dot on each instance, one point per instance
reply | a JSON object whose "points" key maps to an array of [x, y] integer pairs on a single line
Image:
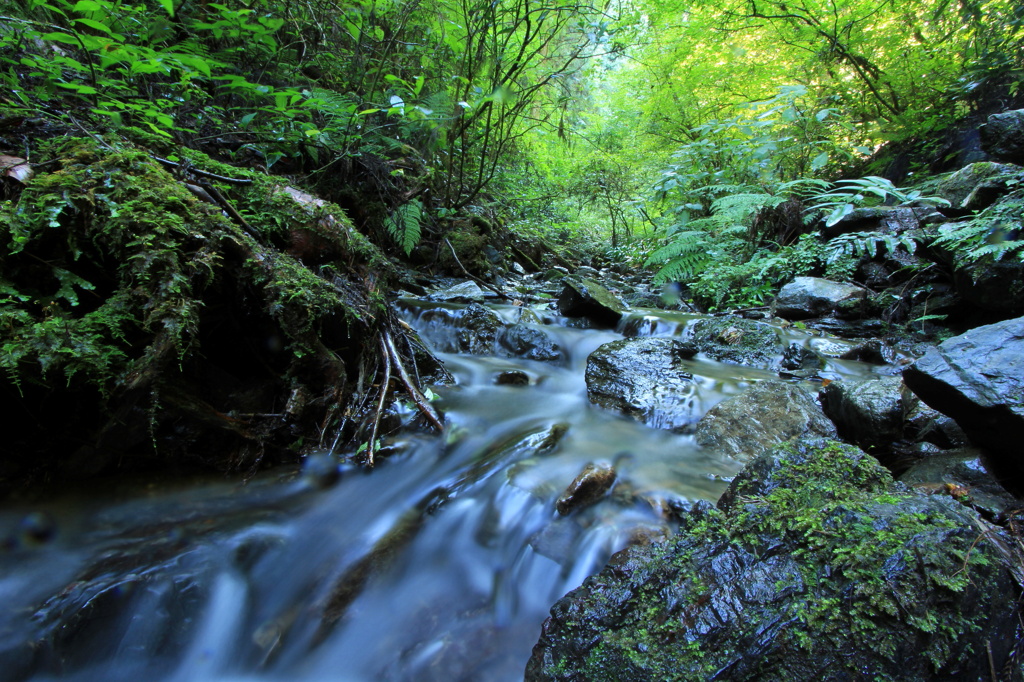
{"points": [[806, 297], [977, 378], [582, 297], [815, 566], [645, 379], [767, 414]]}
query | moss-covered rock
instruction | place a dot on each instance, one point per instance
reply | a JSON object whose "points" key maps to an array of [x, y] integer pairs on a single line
{"points": [[815, 565], [143, 327], [734, 339]]}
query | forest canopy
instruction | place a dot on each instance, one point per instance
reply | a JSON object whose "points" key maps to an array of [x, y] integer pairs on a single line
{"points": [[597, 123]]}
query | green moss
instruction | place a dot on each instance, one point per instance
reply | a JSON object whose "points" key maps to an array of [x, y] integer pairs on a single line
{"points": [[879, 575]]}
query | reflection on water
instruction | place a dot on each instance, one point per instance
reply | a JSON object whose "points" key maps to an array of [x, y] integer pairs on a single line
{"points": [[440, 565]]}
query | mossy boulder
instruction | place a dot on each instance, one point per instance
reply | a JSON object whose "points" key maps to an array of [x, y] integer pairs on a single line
{"points": [[146, 329], [814, 565], [740, 341]]}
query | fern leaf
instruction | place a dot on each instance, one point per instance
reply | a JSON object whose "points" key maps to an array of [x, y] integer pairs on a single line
{"points": [[689, 241], [404, 225]]}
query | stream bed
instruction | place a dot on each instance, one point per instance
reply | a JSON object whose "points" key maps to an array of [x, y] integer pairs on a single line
{"points": [[441, 564]]}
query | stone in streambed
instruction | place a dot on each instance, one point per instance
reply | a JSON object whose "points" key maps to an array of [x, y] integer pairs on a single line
{"points": [[645, 379], [587, 488], [977, 378], [582, 297], [760, 418], [814, 566], [807, 297]]}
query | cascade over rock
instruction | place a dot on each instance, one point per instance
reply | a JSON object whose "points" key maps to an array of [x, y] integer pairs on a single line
{"points": [[645, 379]]}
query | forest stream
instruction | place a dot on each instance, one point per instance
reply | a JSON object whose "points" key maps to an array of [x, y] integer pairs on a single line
{"points": [[440, 564]]}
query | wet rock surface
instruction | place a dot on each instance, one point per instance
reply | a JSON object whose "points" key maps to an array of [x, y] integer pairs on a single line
{"points": [[963, 476], [646, 379], [807, 297], [591, 485], [811, 554], [977, 378], [767, 414], [870, 414], [583, 297], [732, 339]]}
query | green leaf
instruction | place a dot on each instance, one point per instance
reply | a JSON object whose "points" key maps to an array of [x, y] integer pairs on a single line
{"points": [[819, 161], [91, 23], [168, 6]]}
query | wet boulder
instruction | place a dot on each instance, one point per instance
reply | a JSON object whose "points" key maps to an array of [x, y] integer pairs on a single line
{"points": [[462, 292], [645, 378], [807, 297], [582, 297], [870, 413], [529, 343], [977, 378], [587, 488], [963, 476], [760, 418], [733, 339], [478, 329], [814, 566], [1002, 136]]}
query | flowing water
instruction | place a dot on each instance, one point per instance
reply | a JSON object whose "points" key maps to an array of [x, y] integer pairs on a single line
{"points": [[441, 564]]}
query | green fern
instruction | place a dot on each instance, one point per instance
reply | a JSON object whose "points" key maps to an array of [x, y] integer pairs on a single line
{"points": [[333, 105], [858, 244], [982, 238], [404, 225], [681, 258]]}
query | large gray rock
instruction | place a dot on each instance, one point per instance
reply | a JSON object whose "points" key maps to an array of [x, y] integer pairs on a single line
{"points": [[1003, 136], [814, 567], [870, 414], [478, 330], [977, 378], [645, 379], [760, 418], [582, 297], [806, 297]]}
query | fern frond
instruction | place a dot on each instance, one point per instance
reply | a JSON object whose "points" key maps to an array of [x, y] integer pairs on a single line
{"points": [[682, 268], [332, 104], [690, 241], [745, 203], [404, 225]]}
